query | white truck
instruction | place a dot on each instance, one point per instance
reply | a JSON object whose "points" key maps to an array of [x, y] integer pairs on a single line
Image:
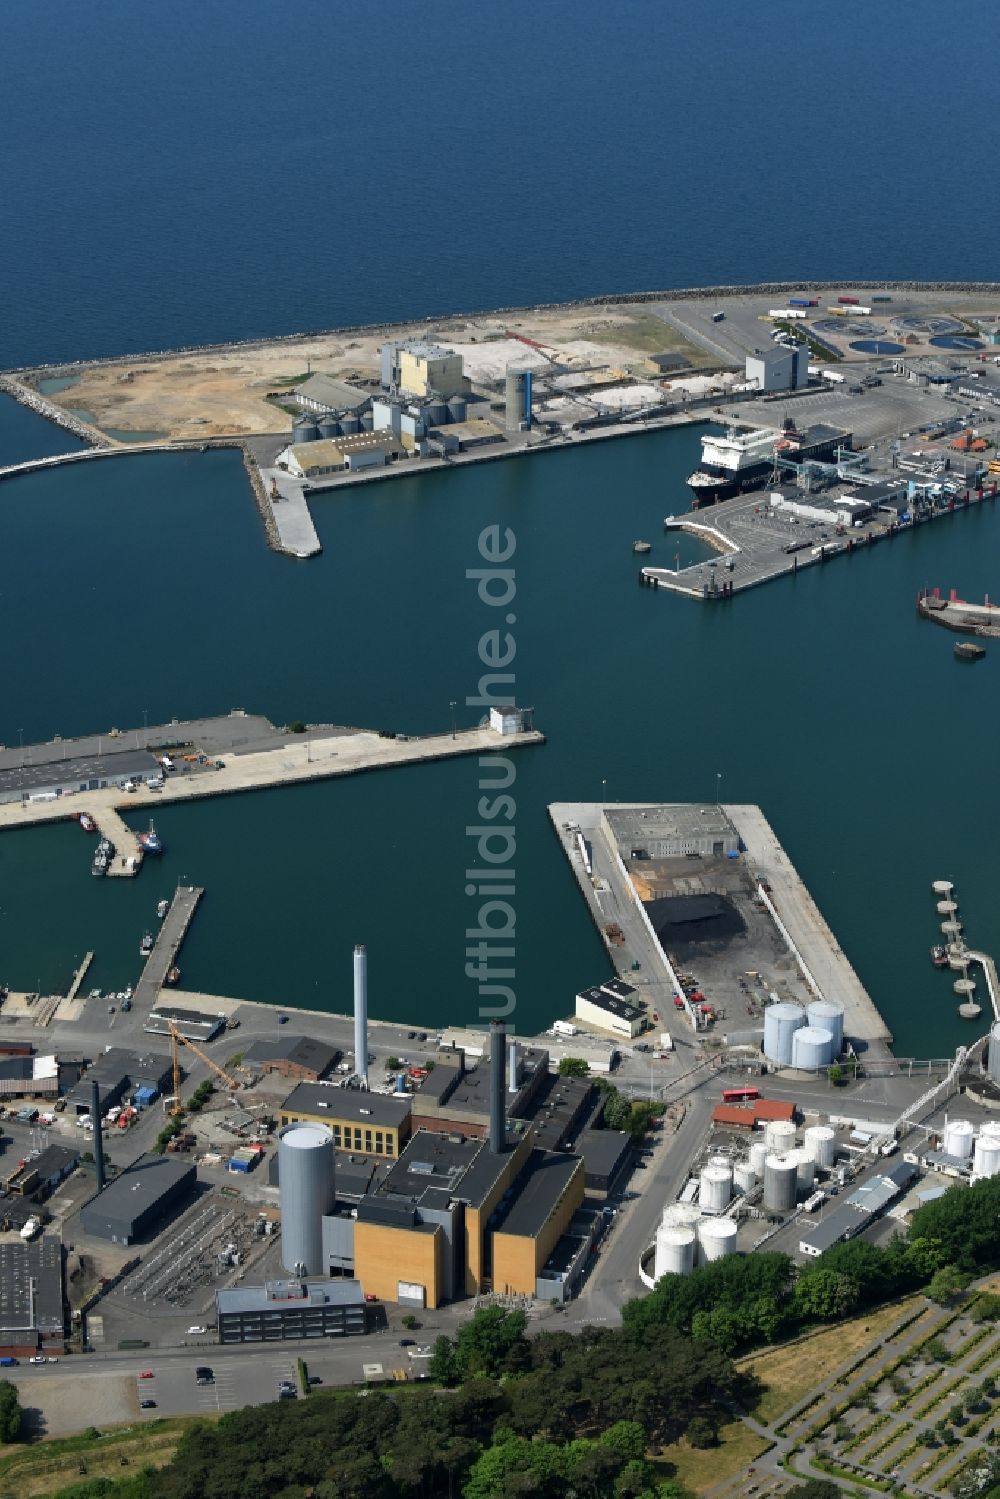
{"points": [[563, 1028], [666, 1041]]}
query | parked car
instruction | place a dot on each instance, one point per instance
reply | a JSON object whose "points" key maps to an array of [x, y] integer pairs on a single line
{"points": [[195, 1331], [147, 1405], [203, 1375], [147, 1374], [37, 1358]]}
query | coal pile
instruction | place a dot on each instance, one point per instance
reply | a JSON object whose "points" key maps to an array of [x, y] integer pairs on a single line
{"points": [[682, 921]]}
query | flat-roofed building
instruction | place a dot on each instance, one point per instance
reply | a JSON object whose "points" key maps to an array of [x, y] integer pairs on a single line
{"points": [[455, 1098], [607, 1155], [665, 831], [193, 1025], [544, 1199], [139, 1199], [361, 1121], [29, 1077], [419, 367], [31, 1297], [116, 1070], [282, 1309], [43, 1173], [606, 1012]]}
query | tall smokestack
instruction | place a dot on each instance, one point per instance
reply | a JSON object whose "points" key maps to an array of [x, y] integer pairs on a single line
{"points": [[498, 1125], [95, 1117], [512, 1066], [361, 1013]]}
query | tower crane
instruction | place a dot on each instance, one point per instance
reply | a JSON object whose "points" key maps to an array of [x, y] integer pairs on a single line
{"points": [[176, 1041]]}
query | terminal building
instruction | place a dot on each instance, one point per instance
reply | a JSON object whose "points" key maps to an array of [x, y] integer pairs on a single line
{"points": [[662, 831]]}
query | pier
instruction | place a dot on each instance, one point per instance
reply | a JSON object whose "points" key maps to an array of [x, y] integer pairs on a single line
{"points": [[173, 930], [79, 976], [293, 524], [128, 850]]}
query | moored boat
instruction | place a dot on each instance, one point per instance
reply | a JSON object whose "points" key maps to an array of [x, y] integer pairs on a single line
{"points": [[146, 945], [642, 546], [939, 957], [151, 842], [967, 650], [87, 823], [162, 907], [173, 975]]}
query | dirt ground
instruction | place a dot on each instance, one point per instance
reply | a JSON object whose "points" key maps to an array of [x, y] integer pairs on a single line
{"points": [[222, 392]]}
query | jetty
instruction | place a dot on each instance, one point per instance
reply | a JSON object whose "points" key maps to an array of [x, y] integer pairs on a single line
{"points": [[79, 976], [166, 947]]}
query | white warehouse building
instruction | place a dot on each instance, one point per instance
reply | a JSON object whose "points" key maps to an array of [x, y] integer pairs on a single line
{"points": [[784, 367]]}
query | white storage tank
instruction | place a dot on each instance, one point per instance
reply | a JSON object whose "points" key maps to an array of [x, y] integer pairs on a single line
{"points": [[781, 1021], [993, 1056], [779, 1136], [717, 1238], [780, 1183], [812, 1048], [821, 1143], [681, 1215], [758, 1155], [827, 1015], [675, 1251], [805, 1169], [744, 1177], [306, 1189], [986, 1160], [716, 1188], [958, 1135]]}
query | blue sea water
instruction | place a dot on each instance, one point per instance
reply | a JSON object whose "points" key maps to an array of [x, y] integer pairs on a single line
{"points": [[185, 173]]}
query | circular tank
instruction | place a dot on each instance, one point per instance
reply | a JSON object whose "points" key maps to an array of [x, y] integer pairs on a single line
{"points": [[821, 1143], [805, 1169], [458, 408], [958, 1138], [780, 1183], [744, 1177], [986, 1160], [781, 1021], [826, 1015], [436, 413], [368, 422], [349, 425], [675, 1251], [779, 1136], [328, 425], [717, 1238], [758, 1154], [993, 1056], [305, 1178], [812, 1048], [304, 429], [681, 1215], [716, 1188]]}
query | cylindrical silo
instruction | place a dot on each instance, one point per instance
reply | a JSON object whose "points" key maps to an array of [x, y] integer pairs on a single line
{"points": [[675, 1251], [304, 429], [517, 394], [349, 424], [716, 1188], [805, 1169], [328, 425], [744, 1177], [780, 1183], [717, 1238], [958, 1135], [986, 1160], [681, 1215], [436, 412], [781, 1021], [811, 1048], [821, 1142], [758, 1155], [827, 1015], [367, 422], [993, 1056], [458, 408], [305, 1179], [779, 1136]]}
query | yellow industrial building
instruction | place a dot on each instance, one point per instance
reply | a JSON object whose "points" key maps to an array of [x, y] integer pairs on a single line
{"points": [[368, 1123], [426, 369]]}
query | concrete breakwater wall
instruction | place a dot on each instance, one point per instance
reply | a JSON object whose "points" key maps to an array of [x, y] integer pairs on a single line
{"points": [[35, 401], [261, 499], [609, 299]]}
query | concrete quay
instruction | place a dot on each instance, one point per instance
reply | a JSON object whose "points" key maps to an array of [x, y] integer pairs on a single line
{"points": [[128, 850], [286, 500], [172, 932], [332, 753]]}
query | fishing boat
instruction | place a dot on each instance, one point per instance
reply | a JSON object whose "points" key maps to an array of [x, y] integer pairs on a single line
{"points": [[642, 546], [151, 842], [100, 865], [967, 650], [939, 957], [173, 975], [162, 907], [146, 945], [87, 823]]}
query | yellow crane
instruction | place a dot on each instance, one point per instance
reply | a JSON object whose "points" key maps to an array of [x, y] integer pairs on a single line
{"points": [[176, 1041]]}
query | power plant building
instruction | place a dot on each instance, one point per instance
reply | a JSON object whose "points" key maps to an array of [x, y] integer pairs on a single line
{"points": [[417, 367], [359, 1120], [290, 1309], [137, 1201]]}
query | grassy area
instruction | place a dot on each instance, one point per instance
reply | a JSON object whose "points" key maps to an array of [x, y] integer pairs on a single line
{"points": [[700, 1469], [816, 350], [27, 1472], [649, 334], [790, 1372]]}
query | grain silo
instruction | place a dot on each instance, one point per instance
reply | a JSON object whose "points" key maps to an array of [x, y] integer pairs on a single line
{"points": [[821, 1142], [779, 1136], [986, 1160], [436, 412], [827, 1015], [328, 426], [716, 1187], [675, 1251], [305, 429], [781, 1021], [305, 1179], [780, 1183], [458, 409], [717, 1238], [993, 1056], [958, 1135], [811, 1048], [350, 424]]}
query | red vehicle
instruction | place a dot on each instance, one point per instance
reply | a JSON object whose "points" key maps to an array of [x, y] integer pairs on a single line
{"points": [[147, 1374], [740, 1095], [848, 301]]}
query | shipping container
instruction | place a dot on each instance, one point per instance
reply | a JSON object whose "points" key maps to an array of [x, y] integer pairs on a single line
{"points": [[881, 299], [838, 311], [849, 301], [800, 302], [717, 317]]}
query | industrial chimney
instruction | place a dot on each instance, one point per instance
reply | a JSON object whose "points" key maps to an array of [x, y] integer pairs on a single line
{"points": [[498, 1124], [95, 1117], [361, 1014]]}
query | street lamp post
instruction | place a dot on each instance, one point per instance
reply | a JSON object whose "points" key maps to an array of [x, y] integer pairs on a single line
{"points": [[452, 707], [718, 788]]}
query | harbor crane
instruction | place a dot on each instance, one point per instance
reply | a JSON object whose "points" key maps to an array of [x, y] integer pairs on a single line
{"points": [[176, 1041]]}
